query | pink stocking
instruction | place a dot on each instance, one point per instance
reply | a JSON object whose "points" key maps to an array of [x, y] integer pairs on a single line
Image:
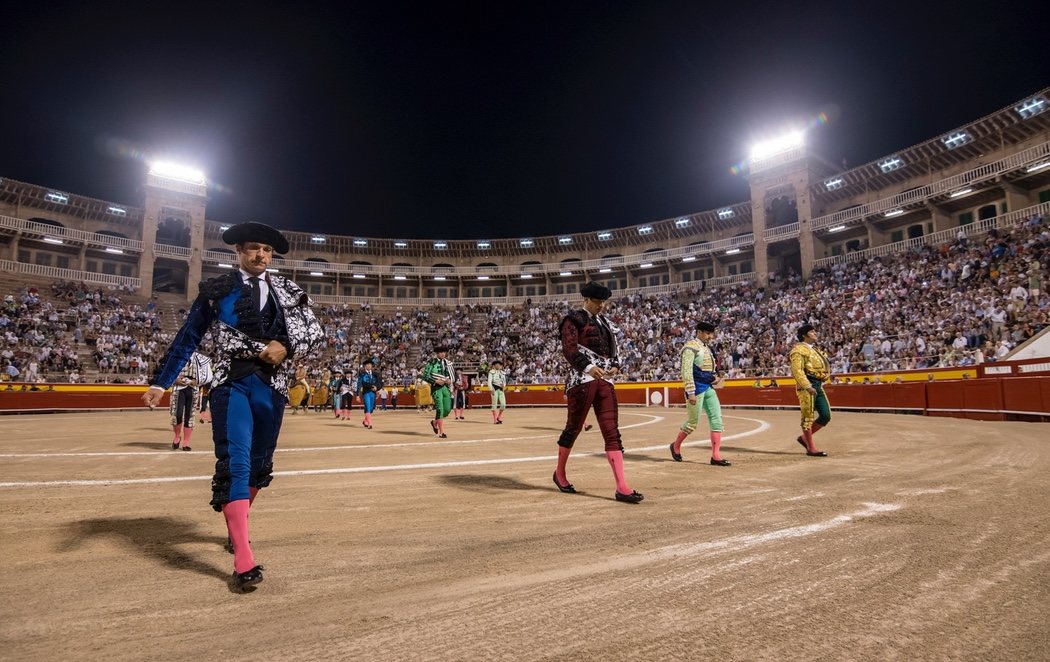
{"points": [[236, 513], [616, 462]]}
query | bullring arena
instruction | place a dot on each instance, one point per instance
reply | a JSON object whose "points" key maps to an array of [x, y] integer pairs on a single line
{"points": [[917, 538], [922, 535]]}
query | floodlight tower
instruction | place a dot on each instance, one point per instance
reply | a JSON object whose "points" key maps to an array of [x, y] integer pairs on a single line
{"points": [[174, 191], [782, 168]]}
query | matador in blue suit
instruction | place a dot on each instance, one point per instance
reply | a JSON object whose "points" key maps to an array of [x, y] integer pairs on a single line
{"points": [[259, 321]]}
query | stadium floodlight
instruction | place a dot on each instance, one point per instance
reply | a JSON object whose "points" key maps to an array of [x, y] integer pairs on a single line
{"points": [[1032, 107], [316, 273], [183, 173], [358, 275], [483, 277], [835, 183], [440, 245], [645, 265], [682, 223], [52, 240], [525, 243], [55, 196], [726, 213], [225, 266], [400, 277], [564, 273], [961, 193], [318, 239], [115, 251], [439, 278], [484, 245], [893, 212], [605, 236], [645, 229], [564, 240], [953, 140], [732, 251], [273, 270], [400, 244], [605, 270], [526, 275], [689, 258], [360, 242], [837, 228], [1038, 166], [775, 146], [119, 211], [891, 164]]}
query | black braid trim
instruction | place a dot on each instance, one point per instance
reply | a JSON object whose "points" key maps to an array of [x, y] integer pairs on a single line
{"points": [[263, 477], [220, 485]]}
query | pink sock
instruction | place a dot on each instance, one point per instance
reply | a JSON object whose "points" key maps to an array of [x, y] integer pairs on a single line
{"points": [[616, 462], [186, 434], [499, 416], [816, 428], [368, 419], [682, 434], [807, 436], [716, 444], [494, 417], [236, 513], [178, 433], [563, 459], [441, 426]]}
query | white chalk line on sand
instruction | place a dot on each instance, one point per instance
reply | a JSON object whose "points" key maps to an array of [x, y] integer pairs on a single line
{"points": [[762, 427], [406, 444]]}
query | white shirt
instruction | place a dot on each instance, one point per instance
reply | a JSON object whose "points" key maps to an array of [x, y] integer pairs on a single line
{"points": [[264, 286]]}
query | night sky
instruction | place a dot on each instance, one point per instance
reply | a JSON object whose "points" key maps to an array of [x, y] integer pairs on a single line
{"points": [[481, 121]]}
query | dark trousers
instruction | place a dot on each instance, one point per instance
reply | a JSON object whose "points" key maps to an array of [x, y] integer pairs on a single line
{"points": [[599, 395], [246, 419], [184, 405]]}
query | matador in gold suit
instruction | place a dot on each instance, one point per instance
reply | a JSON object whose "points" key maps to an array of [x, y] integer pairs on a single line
{"points": [[810, 369]]}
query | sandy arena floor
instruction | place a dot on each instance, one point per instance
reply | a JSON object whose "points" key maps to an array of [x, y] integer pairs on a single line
{"points": [[918, 538]]}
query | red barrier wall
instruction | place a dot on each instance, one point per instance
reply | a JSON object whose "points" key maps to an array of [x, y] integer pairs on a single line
{"points": [[990, 398]]}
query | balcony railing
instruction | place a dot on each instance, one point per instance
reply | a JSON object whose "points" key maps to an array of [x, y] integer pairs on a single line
{"points": [[780, 233], [505, 271], [983, 173], [940, 237], [168, 250], [69, 274], [69, 234]]}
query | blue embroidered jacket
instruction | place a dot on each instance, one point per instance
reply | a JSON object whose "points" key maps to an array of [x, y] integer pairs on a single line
{"points": [[241, 332]]}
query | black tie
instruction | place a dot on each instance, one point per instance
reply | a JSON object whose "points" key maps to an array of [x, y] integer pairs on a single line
{"points": [[256, 293]]}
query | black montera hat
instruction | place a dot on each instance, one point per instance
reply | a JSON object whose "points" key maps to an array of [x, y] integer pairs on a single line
{"points": [[260, 232], [803, 330], [440, 347], [594, 290], [496, 361], [705, 326]]}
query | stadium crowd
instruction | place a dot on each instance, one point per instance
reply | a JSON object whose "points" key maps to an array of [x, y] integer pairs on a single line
{"points": [[956, 304]]}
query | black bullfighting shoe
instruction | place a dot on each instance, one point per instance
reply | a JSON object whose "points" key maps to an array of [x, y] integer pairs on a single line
{"points": [[634, 497], [587, 428], [174, 445], [568, 489], [721, 463], [246, 581], [802, 442], [186, 448], [816, 453], [434, 425], [677, 457]]}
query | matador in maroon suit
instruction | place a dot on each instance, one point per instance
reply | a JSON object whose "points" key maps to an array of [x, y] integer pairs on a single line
{"points": [[589, 345]]}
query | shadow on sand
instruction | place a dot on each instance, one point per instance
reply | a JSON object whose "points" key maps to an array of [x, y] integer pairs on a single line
{"points": [[153, 537]]}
